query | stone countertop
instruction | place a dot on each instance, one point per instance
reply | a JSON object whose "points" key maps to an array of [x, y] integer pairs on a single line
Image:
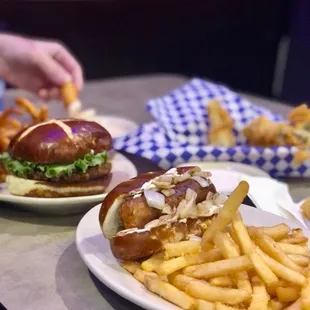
{"points": [[39, 264]]}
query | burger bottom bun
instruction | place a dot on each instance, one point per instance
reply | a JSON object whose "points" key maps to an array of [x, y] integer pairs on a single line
{"points": [[32, 188], [144, 243]]}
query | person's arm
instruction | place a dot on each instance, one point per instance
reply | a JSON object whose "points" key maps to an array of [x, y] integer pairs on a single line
{"points": [[38, 66]]}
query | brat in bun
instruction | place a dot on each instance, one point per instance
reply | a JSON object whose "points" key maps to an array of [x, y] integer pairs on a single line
{"points": [[140, 215], [59, 158]]}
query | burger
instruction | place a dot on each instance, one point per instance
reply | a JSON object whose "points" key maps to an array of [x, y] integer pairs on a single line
{"points": [[139, 216], [59, 158]]}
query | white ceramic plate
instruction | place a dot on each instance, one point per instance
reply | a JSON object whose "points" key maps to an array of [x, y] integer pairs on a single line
{"points": [[229, 166], [122, 169], [117, 126], [96, 254]]}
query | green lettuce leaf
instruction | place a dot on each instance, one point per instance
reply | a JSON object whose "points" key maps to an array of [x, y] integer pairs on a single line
{"points": [[25, 168]]}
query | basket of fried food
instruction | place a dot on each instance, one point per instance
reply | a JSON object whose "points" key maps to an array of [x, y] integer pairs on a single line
{"points": [[232, 266]]}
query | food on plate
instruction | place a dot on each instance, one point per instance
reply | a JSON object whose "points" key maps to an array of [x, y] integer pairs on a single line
{"points": [[305, 208], [58, 158], [220, 125], [234, 267], [143, 214], [12, 120]]}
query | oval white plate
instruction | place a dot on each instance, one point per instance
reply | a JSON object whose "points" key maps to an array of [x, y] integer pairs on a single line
{"points": [[229, 166], [122, 169], [117, 126], [96, 254]]}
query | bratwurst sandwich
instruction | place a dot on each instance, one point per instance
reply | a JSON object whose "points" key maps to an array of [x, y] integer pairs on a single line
{"points": [[140, 215], [59, 158]]}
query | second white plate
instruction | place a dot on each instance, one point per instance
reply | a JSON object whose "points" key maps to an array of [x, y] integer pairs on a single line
{"points": [[122, 170], [116, 125], [96, 253]]}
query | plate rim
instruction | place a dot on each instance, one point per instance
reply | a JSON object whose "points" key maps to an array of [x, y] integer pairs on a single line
{"points": [[125, 293]]}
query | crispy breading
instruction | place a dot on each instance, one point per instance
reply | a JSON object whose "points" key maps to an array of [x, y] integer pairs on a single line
{"points": [[220, 125]]}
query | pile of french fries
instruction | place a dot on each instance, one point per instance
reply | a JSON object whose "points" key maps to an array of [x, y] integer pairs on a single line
{"points": [[233, 266]]}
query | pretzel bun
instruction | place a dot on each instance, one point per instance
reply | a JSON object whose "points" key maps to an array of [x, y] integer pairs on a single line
{"points": [[59, 141], [134, 244]]}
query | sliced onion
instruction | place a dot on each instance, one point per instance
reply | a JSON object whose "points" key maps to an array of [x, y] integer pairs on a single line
{"points": [[219, 199], [154, 199], [202, 182], [187, 207], [181, 178], [152, 224], [168, 192]]}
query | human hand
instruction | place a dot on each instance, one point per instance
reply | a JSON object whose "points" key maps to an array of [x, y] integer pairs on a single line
{"points": [[38, 66]]}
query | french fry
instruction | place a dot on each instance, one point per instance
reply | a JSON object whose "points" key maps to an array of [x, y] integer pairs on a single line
{"points": [[68, 93], [281, 270], [225, 214], [300, 260], [233, 236], [247, 247], [204, 305], [296, 240], [287, 294], [295, 306], [223, 281], [169, 266], [220, 306], [140, 275], [229, 249], [305, 293], [181, 281], [203, 290], [153, 262], [29, 107], [294, 249], [181, 248], [275, 304], [169, 292], [130, 266], [271, 248], [219, 268], [276, 232], [260, 296]]}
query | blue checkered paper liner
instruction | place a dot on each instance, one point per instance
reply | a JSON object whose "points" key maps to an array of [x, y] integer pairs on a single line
{"points": [[179, 133]]}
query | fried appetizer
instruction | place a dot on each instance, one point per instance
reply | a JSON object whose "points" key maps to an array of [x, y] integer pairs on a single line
{"points": [[220, 125]]}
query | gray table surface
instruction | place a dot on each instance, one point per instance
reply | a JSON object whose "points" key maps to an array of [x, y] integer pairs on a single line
{"points": [[39, 264]]}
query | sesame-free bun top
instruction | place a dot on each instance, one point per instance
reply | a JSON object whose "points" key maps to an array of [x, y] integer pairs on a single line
{"points": [[59, 141]]}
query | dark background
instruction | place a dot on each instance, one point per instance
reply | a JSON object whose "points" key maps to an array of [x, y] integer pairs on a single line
{"points": [[231, 41]]}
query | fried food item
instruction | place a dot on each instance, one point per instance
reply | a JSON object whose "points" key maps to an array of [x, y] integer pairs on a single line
{"points": [[255, 269], [265, 133], [305, 208], [305, 293], [260, 296], [299, 117], [220, 124], [69, 95], [226, 214], [169, 292]]}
